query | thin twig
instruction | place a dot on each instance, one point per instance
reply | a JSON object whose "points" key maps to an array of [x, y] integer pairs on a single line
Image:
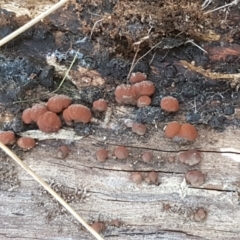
{"points": [[235, 2], [193, 43], [50, 190], [94, 25], [31, 23], [134, 64], [25, 101]]}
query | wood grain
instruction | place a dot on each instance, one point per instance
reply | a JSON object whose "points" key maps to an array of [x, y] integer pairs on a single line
{"points": [[146, 211]]}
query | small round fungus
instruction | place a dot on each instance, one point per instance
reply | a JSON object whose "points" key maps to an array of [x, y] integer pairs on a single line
{"points": [[79, 113], [66, 116], [145, 88], [137, 77], [63, 151], [190, 157], [49, 122], [36, 111], [139, 129], [128, 94], [26, 143], [100, 105], [143, 101], [7, 138], [102, 155], [152, 178], [147, 157], [172, 129], [58, 103], [195, 178], [121, 152], [26, 117], [99, 226], [200, 215], [136, 177], [125, 94], [188, 132], [169, 104], [171, 159]]}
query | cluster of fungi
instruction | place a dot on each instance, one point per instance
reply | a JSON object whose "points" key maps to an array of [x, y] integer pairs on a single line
{"points": [[48, 118], [59, 110]]}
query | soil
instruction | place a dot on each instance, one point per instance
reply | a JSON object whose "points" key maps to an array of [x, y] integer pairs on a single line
{"points": [[108, 36]]}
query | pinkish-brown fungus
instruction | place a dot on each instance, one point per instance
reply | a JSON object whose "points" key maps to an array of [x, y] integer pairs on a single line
{"points": [[190, 157], [195, 178], [58, 103], [36, 111], [121, 152], [7, 137], [49, 122], [79, 113], [137, 77]]}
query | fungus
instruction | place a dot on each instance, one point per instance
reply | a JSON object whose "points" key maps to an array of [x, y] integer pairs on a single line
{"points": [[169, 104], [49, 122], [136, 177], [137, 77], [58, 103], [171, 159], [121, 152], [100, 105], [125, 94], [102, 155], [26, 118], [36, 111], [195, 178], [79, 113], [143, 101], [99, 226], [147, 156], [200, 215], [139, 129], [63, 151], [172, 129], [128, 94], [7, 138], [145, 88], [152, 178], [188, 132], [190, 157], [26, 143], [67, 117]]}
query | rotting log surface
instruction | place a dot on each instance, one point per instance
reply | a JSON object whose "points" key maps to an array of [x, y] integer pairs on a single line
{"points": [[164, 211], [104, 192]]}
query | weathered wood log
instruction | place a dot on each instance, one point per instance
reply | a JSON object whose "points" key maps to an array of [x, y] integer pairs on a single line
{"points": [[104, 192]]}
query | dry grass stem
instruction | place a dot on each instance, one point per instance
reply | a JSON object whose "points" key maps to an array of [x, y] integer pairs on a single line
{"points": [[235, 2], [207, 73], [31, 23]]}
